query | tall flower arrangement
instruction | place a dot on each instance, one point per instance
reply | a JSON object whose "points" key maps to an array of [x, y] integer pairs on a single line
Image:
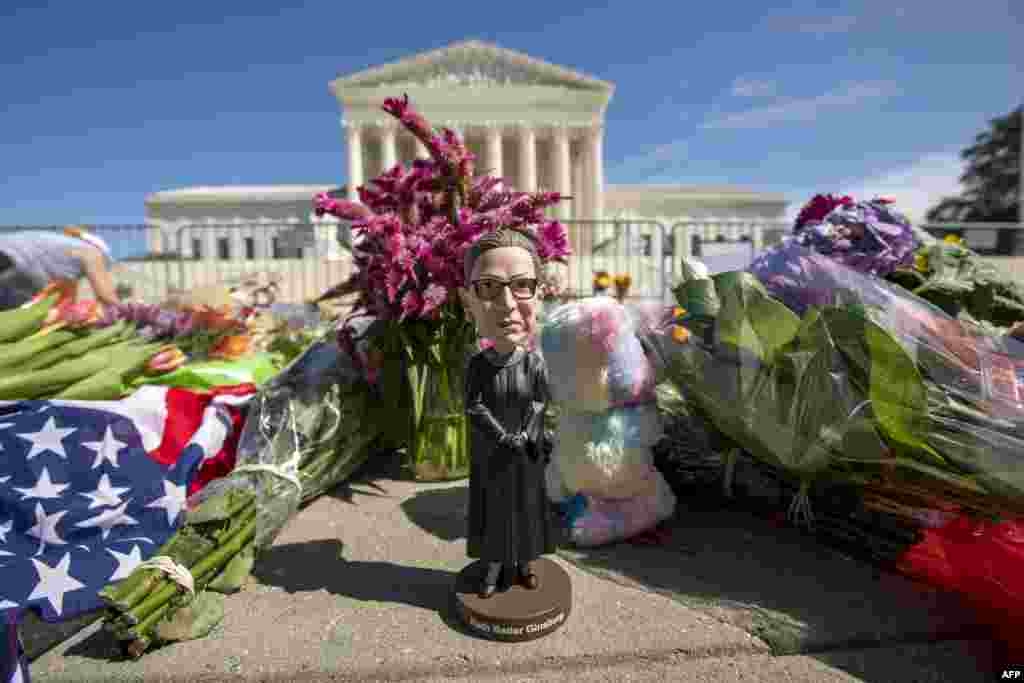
{"points": [[412, 228]]}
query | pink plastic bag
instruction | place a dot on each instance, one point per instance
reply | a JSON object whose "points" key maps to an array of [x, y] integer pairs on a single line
{"points": [[606, 520]]}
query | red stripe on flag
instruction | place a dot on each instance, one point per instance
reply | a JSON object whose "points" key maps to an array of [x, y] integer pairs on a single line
{"points": [[223, 462], [184, 415]]}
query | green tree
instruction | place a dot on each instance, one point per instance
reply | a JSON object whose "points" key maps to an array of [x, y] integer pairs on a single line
{"points": [[991, 180]]}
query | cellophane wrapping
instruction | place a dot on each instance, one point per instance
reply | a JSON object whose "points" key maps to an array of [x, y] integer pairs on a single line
{"points": [[602, 384], [829, 373], [308, 422]]}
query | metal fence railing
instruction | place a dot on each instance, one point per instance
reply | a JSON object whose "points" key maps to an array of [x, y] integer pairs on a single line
{"points": [[296, 261], [988, 239]]}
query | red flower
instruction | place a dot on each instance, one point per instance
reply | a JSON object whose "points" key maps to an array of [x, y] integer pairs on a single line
{"points": [[820, 206]]}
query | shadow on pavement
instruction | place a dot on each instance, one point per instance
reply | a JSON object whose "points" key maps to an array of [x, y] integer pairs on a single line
{"points": [[319, 565], [439, 512], [774, 582]]}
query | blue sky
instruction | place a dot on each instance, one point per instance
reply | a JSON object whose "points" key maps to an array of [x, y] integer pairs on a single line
{"points": [[105, 106]]}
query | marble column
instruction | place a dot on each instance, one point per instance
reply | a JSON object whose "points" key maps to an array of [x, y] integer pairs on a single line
{"points": [[580, 191], [595, 172], [389, 148], [561, 159], [527, 159], [355, 161], [494, 152]]}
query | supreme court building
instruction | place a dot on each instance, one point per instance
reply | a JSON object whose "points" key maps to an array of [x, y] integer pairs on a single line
{"points": [[537, 125]]}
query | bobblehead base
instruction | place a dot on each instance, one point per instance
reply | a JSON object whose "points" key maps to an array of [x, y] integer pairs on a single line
{"points": [[514, 613]]}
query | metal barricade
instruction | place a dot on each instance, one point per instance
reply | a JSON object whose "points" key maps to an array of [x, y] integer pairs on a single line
{"points": [[617, 247], [272, 262], [695, 236]]}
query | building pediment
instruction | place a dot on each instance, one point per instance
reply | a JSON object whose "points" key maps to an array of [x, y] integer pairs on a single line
{"points": [[468, 64]]}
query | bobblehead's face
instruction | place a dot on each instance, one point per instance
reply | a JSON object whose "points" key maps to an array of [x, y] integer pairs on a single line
{"points": [[502, 297]]}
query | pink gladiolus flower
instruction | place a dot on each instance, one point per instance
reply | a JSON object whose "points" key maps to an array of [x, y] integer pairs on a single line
{"points": [[433, 297], [341, 208], [412, 302], [410, 247]]}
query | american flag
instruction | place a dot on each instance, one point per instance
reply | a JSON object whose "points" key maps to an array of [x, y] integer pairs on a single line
{"points": [[90, 489]]}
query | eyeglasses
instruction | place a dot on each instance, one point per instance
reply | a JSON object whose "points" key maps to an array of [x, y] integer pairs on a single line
{"points": [[490, 289]]}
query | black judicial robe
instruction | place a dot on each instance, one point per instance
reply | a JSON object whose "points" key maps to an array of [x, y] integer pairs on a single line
{"points": [[509, 513]]}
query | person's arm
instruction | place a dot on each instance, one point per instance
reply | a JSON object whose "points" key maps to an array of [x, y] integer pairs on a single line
{"points": [[483, 419], [95, 267]]}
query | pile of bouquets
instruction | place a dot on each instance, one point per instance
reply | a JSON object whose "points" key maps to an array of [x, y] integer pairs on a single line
{"points": [[51, 352], [307, 430], [873, 238], [199, 331], [876, 389]]}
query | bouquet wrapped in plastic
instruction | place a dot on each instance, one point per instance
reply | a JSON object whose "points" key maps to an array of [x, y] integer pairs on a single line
{"points": [[307, 430], [603, 387], [873, 238], [845, 377]]}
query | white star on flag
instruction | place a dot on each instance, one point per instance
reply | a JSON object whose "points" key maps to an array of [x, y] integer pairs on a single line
{"points": [[46, 528], [7, 604], [106, 449], [4, 529], [108, 519], [126, 563], [4, 480], [44, 488], [172, 501], [54, 582], [105, 494], [49, 438]]}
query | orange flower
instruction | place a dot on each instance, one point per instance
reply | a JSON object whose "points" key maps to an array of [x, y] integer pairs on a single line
{"points": [[623, 281], [67, 291], [680, 334], [231, 347], [72, 314]]}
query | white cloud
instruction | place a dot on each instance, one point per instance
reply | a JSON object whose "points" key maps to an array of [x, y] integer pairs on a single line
{"points": [[914, 188], [743, 87], [805, 109]]}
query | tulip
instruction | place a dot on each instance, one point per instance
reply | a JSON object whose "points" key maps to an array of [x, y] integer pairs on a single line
{"points": [[231, 347], [169, 358]]}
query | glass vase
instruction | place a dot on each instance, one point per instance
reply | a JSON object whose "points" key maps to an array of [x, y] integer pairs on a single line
{"points": [[439, 444]]}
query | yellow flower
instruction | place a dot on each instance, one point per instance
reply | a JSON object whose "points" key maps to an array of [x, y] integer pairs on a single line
{"points": [[603, 281], [678, 312], [623, 281], [953, 239], [921, 263], [680, 333]]}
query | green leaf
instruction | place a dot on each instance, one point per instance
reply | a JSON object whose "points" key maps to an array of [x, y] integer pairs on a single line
{"points": [[898, 394], [698, 297], [750, 319]]}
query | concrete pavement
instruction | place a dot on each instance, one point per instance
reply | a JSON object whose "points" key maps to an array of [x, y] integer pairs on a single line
{"points": [[356, 588]]}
